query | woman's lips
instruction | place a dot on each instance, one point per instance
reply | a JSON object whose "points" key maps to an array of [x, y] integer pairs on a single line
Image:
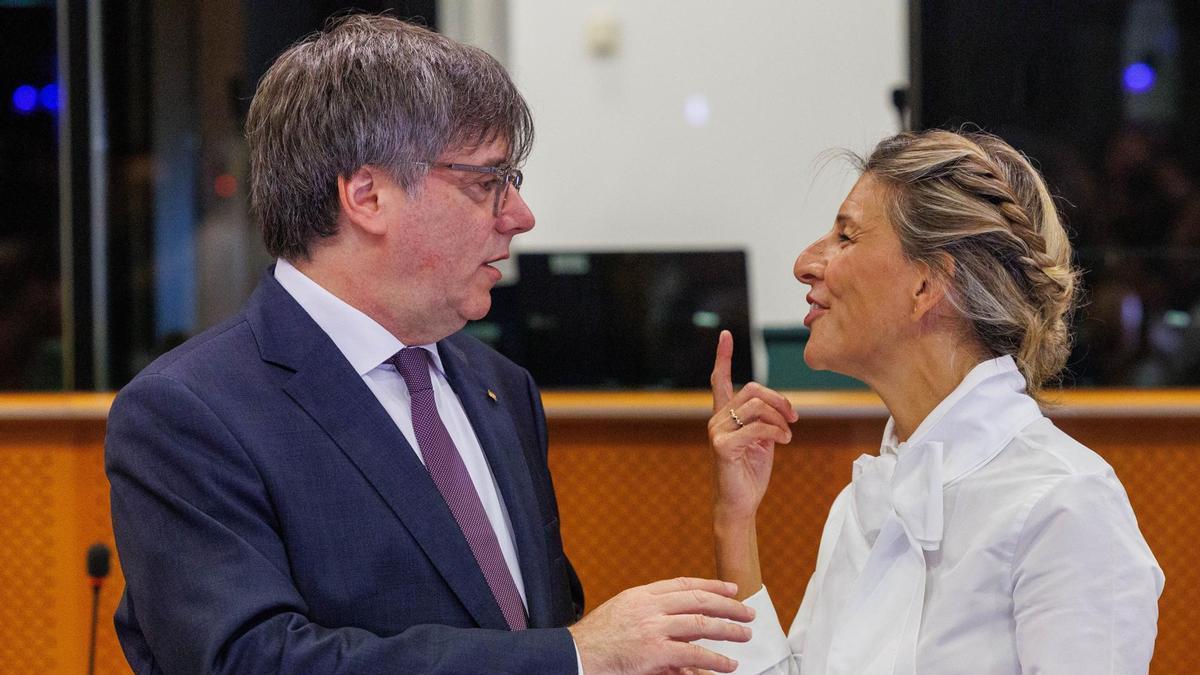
{"points": [[815, 311]]}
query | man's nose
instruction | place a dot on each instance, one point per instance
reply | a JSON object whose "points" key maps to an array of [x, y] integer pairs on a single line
{"points": [[516, 216]]}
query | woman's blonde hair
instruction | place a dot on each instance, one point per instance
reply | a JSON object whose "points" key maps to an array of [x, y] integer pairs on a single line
{"points": [[975, 210]]}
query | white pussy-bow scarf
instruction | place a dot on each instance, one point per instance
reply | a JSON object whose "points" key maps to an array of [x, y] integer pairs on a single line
{"points": [[897, 517]]}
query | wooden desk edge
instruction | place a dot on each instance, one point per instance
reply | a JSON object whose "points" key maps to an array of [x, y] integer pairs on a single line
{"points": [[686, 405], [51, 406], [1100, 403]]}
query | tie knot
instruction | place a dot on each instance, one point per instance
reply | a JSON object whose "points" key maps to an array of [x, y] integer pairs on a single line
{"points": [[413, 365]]}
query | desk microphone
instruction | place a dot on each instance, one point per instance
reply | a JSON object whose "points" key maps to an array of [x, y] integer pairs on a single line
{"points": [[97, 569]]}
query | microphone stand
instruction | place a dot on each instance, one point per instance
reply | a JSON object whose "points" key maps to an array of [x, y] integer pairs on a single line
{"points": [[91, 667], [97, 569]]}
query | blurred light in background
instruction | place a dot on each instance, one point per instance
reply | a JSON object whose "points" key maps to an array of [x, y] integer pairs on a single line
{"points": [[1139, 77], [696, 110], [225, 186], [48, 97], [24, 98]]}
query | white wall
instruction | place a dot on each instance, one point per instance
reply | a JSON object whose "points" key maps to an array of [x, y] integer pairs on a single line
{"points": [[615, 165]]}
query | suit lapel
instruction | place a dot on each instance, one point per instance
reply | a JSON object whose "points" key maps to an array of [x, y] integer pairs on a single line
{"points": [[492, 422], [328, 389]]}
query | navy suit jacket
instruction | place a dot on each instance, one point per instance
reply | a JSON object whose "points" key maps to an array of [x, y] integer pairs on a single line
{"points": [[270, 517]]}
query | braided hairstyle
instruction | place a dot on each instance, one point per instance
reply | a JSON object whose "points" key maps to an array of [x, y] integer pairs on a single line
{"points": [[974, 210]]}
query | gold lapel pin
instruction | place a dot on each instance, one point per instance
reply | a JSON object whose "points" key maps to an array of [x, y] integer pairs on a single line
{"points": [[492, 395]]}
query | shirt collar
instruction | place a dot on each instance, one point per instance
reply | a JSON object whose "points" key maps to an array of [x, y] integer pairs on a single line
{"points": [[364, 343], [974, 423]]}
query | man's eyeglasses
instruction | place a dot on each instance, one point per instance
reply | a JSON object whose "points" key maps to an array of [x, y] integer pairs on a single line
{"points": [[505, 175]]}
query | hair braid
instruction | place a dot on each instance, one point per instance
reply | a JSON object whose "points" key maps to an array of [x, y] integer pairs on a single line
{"points": [[972, 199]]}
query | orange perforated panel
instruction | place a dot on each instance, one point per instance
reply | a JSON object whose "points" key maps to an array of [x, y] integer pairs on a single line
{"points": [[27, 612], [53, 505], [634, 500]]}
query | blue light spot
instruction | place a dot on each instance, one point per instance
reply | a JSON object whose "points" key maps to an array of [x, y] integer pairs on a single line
{"points": [[24, 98], [1139, 78], [48, 97]]}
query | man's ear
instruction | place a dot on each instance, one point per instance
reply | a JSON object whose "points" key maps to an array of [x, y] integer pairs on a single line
{"points": [[363, 198]]}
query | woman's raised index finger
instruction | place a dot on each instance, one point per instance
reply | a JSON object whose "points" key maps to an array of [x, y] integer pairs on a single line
{"points": [[722, 384]]}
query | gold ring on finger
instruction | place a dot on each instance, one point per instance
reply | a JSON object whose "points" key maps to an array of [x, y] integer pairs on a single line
{"points": [[736, 420]]}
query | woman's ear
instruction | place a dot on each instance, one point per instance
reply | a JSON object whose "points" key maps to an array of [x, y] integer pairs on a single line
{"points": [[932, 285], [361, 198]]}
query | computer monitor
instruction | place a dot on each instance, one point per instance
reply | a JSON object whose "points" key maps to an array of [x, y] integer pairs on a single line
{"points": [[622, 320]]}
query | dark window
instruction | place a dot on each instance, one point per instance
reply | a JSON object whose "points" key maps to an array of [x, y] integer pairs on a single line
{"points": [[1105, 96]]}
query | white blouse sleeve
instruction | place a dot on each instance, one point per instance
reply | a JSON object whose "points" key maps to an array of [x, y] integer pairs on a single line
{"points": [[770, 651], [767, 652], [1085, 584]]}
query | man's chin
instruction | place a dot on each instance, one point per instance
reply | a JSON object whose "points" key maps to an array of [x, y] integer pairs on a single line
{"points": [[477, 309]]}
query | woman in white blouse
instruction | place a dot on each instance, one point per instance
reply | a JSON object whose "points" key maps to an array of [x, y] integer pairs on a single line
{"points": [[981, 539]]}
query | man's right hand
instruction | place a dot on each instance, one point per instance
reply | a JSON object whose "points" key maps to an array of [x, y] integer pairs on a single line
{"points": [[649, 628]]}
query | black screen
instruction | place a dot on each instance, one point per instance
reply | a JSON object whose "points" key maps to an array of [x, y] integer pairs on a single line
{"points": [[622, 320]]}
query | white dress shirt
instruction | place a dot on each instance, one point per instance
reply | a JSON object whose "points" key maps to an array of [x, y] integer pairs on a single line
{"points": [[988, 543], [367, 346]]}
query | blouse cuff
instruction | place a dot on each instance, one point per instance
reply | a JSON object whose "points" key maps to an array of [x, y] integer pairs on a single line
{"points": [[768, 645]]}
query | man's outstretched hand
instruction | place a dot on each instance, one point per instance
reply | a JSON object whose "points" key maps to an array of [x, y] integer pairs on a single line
{"points": [[648, 629]]}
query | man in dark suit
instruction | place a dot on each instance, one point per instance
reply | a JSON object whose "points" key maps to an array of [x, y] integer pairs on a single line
{"points": [[336, 480]]}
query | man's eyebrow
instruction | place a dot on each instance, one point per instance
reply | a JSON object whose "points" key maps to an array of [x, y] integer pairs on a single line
{"points": [[498, 158]]}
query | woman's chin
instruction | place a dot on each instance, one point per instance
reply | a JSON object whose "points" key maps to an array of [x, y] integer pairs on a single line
{"points": [[814, 357], [817, 358]]}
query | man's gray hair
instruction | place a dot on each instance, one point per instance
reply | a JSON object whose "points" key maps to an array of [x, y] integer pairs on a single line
{"points": [[367, 90]]}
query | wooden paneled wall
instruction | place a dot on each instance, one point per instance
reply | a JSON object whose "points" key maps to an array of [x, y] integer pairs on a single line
{"points": [[632, 475]]}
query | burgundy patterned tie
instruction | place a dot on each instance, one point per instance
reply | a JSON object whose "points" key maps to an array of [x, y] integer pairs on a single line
{"points": [[452, 480]]}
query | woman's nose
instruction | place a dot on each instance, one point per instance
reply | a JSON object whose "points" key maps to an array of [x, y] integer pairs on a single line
{"points": [[810, 263]]}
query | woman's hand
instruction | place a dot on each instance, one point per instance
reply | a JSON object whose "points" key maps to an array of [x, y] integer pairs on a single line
{"points": [[743, 441]]}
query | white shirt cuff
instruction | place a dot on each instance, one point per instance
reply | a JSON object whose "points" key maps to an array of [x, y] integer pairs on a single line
{"points": [[768, 645], [578, 658]]}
